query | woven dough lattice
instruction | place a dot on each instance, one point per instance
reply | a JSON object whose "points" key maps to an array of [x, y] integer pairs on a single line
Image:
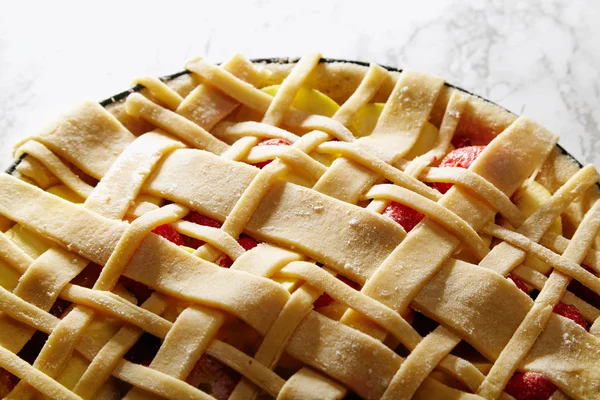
{"points": [[228, 233]]}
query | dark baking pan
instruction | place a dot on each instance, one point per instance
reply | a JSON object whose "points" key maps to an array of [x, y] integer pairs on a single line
{"points": [[122, 95]]}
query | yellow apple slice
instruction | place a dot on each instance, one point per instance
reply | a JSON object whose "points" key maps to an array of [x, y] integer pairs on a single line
{"points": [[530, 197], [366, 118], [9, 277], [308, 100], [73, 371], [188, 249]]}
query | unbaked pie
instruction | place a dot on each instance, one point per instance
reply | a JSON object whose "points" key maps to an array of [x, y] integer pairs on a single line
{"points": [[298, 229]]}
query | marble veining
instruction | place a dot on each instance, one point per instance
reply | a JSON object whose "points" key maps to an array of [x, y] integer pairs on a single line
{"points": [[537, 58]]}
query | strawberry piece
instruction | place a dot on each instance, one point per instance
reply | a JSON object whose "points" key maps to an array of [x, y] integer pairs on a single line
{"points": [[571, 312], [225, 262], [462, 158], [169, 233], [275, 142], [199, 219], [460, 141], [246, 242], [404, 215], [530, 386], [519, 283], [271, 142], [325, 299]]}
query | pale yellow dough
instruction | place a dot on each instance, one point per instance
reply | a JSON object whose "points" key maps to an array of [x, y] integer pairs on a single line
{"points": [[317, 207]]}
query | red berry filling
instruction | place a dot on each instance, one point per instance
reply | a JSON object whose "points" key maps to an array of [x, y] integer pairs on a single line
{"points": [[275, 142], [519, 283], [533, 385], [246, 242], [462, 158], [530, 386], [169, 233], [199, 219], [225, 261], [460, 141], [571, 312], [404, 215], [325, 299], [271, 142]]}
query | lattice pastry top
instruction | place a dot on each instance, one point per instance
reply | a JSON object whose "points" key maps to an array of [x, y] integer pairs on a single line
{"points": [[298, 230]]}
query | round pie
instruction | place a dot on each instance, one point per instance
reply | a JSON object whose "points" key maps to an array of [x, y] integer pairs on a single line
{"points": [[298, 229]]}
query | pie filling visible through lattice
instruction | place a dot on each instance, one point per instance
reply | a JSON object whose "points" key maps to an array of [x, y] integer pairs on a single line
{"points": [[298, 230]]}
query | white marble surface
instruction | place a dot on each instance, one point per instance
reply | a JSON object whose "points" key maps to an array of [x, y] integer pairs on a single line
{"points": [[538, 58]]}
